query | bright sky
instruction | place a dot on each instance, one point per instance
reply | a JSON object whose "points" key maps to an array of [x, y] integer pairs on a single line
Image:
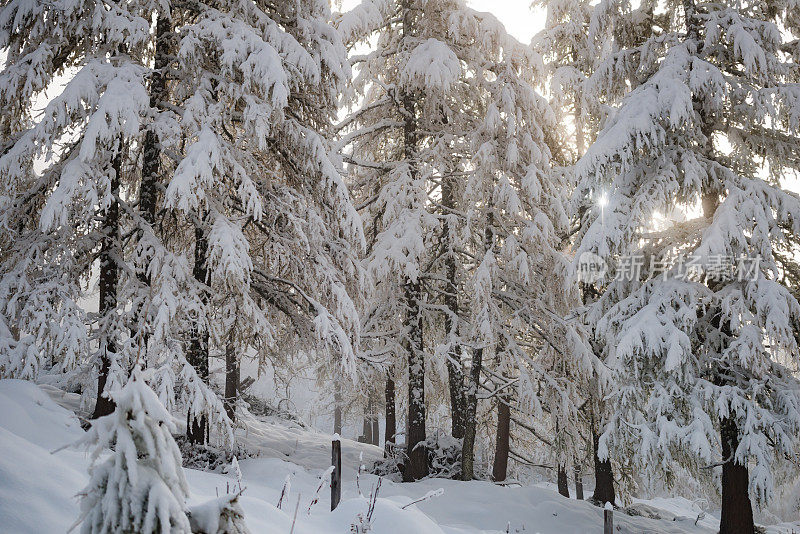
{"points": [[519, 18]]}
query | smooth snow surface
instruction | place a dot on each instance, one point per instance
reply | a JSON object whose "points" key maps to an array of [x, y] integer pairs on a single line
{"points": [[38, 488]]}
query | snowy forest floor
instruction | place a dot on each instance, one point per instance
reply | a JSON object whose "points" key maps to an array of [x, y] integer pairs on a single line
{"points": [[38, 488]]}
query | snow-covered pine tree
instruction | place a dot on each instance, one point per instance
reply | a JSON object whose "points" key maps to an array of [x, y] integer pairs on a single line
{"points": [[705, 359], [450, 151], [576, 36], [138, 487], [259, 193], [514, 222], [391, 180], [65, 174], [76, 203]]}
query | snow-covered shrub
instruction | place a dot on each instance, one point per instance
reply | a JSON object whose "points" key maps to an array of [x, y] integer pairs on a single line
{"points": [[391, 466], [444, 455], [208, 457], [223, 515], [140, 486]]}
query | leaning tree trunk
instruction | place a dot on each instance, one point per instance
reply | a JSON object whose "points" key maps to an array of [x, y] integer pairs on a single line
{"points": [[417, 460], [110, 250], [503, 442], [603, 476], [391, 420], [197, 425], [736, 516], [232, 378], [563, 481]]}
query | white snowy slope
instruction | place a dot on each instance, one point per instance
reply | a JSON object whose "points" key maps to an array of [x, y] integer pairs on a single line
{"points": [[38, 487]]}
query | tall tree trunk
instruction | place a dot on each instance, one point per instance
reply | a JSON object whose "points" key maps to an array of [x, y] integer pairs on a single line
{"points": [[578, 482], [197, 426], [376, 428], [563, 481], [736, 516], [110, 251], [471, 411], [367, 431], [151, 155], [455, 372], [391, 420], [503, 443], [468, 446], [232, 378], [603, 476], [417, 463]]}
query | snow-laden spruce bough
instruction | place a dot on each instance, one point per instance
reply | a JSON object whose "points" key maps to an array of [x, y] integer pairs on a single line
{"points": [[393, 196]]}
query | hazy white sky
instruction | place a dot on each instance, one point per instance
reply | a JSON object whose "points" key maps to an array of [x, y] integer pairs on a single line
{"points": [[519, 18]]}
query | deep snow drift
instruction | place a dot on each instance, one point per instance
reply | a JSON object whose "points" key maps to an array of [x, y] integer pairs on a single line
{"points": [[38, 488]]}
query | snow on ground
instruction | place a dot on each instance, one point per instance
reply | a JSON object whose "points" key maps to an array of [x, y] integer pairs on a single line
{"points": [[38, 487]]}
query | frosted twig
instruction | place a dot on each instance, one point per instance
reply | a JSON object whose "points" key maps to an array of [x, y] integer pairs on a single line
{"points": [[430, 495]]}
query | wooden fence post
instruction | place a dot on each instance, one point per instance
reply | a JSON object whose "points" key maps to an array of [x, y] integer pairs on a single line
{"points": [[608, 519], [336, 475]]}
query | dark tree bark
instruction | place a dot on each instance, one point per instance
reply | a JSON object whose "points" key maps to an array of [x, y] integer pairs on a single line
{"points": [[468, 446], [151, 155], [232, 378], [417, 463], [471, 412], [736, 516], [503, 442], [603, 476], [391, 420], [376, 430], [455, 373], [197, 425], [563, 481], [110, 250], [578, 483]]}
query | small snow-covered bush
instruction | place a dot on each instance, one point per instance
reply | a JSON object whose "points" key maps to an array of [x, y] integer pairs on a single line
{"points": [[391, 466], [140, 486], [207, 457], [223, 515], [444, 455]]}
